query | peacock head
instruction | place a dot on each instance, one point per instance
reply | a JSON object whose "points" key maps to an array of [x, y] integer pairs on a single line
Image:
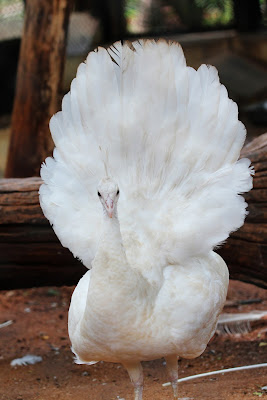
{"points": [[108, 193]]}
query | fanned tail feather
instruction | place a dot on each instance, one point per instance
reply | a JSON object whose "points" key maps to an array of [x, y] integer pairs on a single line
{"points": [[171, 138]]}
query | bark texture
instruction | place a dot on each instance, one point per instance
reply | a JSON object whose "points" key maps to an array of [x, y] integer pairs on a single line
{"points": [[245, 252], [40, 71], [31, 254]]}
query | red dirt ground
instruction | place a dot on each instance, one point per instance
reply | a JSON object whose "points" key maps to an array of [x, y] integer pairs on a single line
{"points": [[40, 327]]}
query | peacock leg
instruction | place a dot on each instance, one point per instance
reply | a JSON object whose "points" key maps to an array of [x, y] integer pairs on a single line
{"points": [[172, 370], [135, 372]]}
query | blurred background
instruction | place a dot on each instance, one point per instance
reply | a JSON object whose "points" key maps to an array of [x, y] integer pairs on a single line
{"points": [[230, 34]]}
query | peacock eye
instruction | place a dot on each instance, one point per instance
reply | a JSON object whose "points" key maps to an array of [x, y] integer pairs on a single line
{"points": [[118, 192], [99, 194]]}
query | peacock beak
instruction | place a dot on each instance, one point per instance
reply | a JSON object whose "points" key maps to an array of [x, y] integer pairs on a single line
{"points": [[109, 206]]}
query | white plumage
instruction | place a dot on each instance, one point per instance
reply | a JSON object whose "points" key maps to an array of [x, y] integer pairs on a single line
{"points": [[168, 137]]}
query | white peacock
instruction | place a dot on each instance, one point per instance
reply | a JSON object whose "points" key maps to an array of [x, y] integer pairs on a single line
{"points": [[144, 182]]}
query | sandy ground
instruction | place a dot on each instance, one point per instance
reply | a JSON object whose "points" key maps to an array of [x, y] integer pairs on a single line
{"points": [[40, 327]]}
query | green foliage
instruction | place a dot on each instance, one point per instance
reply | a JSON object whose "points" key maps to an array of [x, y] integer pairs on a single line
{"points": [[216, 12], [131, 8], [192, 14], [210, 3]]}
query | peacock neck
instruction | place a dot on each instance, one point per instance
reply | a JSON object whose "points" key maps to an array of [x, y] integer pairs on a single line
{"points": [[113, 278], [114, 284], [110, 254], [111, 226], [110, 265]]}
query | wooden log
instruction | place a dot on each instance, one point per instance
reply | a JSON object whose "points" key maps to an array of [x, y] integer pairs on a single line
{"points": [[245, 252], [40, 72], [31, 254]]}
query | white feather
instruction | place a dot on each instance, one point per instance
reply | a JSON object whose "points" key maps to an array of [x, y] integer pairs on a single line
{"points": [[170, 137], [239, 323], [29, 359]]}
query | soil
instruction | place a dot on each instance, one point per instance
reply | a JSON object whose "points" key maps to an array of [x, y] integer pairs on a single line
{"points": [[39, 327]]}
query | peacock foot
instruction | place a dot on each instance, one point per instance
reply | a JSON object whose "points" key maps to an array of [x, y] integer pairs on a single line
{"points": [[172, 370], [135, 372]]}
